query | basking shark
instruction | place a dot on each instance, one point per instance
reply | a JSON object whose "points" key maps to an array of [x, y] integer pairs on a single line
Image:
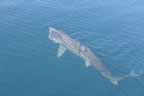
{"points": [[67, 43]]}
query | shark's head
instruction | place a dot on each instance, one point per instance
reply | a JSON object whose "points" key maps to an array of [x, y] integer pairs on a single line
{"points": [[55, 35]]}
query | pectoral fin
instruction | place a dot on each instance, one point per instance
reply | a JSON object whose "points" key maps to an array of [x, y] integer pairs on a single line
{"points": [[87, 64], [61, 51]]}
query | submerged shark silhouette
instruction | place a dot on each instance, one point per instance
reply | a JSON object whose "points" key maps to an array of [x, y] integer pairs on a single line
{"points": [[67, 43]]}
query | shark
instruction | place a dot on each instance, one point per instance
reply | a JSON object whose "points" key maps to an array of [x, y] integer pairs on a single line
{"points": [[67, 43]]}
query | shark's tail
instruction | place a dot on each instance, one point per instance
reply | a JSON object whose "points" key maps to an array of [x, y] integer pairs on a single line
{"points": [[136, 73], [115, 80]]}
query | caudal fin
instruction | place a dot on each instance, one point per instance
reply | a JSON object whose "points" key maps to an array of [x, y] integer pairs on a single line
{"points": [[115, 80], [136, 73]]}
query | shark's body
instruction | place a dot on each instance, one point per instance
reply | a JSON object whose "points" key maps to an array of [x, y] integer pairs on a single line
{"points": [[67, 43]]}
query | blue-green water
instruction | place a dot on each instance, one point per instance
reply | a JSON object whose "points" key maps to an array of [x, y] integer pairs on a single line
{"points": [[112, 29]]}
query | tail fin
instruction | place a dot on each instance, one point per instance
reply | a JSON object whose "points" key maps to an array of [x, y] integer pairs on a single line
{"points": [[115, 80], [136, 73]]}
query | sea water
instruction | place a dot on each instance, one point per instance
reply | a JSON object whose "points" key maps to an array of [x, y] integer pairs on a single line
{"points": [[112, 29]]}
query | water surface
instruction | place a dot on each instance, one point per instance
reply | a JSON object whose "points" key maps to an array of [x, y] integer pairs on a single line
{"points": [[113, 30]]}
